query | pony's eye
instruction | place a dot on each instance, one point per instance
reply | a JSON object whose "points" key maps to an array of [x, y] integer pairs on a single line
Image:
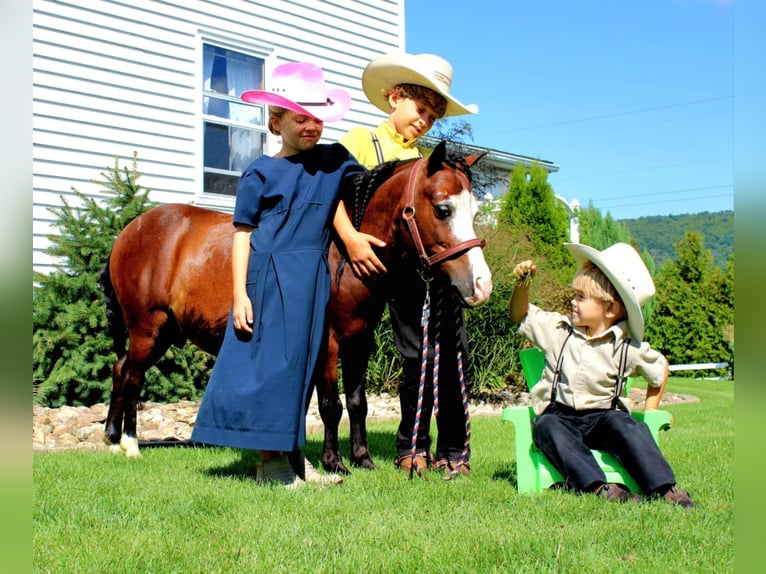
{"points": [[443, 210]]}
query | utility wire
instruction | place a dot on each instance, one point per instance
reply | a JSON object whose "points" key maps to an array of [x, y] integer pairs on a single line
{"points": [[605, 116]]}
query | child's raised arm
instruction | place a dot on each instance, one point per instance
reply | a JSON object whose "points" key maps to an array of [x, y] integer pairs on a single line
{"points": [[519, 304]]}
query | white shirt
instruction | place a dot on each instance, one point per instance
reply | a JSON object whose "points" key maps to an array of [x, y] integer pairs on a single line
{"points": [[590, 365]]}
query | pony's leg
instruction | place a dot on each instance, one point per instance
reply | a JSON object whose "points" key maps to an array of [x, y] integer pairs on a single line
{"points": [[114, 417], [331, 410], [144, 350], [354, 357]]}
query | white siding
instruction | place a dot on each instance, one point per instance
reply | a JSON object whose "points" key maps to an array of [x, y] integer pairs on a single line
{"points": [[113, 77]]}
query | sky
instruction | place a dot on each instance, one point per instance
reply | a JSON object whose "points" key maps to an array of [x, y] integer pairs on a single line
{"points": [[631, 99]]}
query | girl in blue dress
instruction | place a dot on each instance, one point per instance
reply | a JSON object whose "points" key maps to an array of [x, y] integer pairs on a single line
{"points": [[257, 394]]}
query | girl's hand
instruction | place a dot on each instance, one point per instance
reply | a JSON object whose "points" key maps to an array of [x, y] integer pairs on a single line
{"points": [[523, 273], [242, 312], [364, 262]]}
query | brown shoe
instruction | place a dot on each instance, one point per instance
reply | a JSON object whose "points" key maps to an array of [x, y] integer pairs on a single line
{"points": [[616, 493], [450, 465], [422, 462], [680, 497]]}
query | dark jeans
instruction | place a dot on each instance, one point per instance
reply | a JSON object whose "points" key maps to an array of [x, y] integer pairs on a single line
{"points": [[451, 420], [566, 437]]}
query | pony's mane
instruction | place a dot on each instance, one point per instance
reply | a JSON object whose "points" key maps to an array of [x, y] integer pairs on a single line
{"points": [[358, 191]]}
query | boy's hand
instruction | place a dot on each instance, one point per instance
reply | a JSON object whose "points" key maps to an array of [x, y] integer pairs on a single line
{"points": [[523, 272]]}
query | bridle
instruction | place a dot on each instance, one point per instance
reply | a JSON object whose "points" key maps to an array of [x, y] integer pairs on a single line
{"points": [[408, 214]]}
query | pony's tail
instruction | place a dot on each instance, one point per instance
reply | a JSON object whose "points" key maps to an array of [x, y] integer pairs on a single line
{"points": [[115, 323]]}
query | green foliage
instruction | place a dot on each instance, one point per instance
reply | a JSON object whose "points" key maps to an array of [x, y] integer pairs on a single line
{"points": [[601, 231], [658, 234], [693, 319], [72, 356], [530, 204]]}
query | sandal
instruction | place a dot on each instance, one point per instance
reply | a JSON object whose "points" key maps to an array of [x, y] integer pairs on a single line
{"points": [[450, 465], [422, 462]]}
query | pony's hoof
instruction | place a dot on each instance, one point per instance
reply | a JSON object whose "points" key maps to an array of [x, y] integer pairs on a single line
{"points": [[130, 446], [336, 468], [115, 449], [365, 463]]}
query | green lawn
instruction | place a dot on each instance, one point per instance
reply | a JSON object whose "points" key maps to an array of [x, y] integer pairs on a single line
{"points": [[199, 510]]}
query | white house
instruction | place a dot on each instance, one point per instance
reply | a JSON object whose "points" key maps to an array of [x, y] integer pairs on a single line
{"points": [[162, 78]]}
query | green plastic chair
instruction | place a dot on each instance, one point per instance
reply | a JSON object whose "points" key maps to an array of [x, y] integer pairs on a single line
{"points": [[534, 472]]}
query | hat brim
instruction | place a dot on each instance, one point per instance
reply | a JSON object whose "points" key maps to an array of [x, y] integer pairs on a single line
{"points": [[583, 253], [387, 71], [332, 112]]}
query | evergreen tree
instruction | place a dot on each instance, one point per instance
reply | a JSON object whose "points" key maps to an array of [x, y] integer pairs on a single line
{"points": [[693, 315], [601, 231], [531, 204], [72, 356]]}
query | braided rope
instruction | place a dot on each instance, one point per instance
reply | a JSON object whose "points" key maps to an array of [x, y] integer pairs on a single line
{"points": [[464, 395], [421, 386]]}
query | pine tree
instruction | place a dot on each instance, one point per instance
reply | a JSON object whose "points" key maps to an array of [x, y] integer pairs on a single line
{"points": [[693, 316], [531, 204]]}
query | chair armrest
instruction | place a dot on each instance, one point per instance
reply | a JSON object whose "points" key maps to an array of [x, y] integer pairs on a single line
{"points": [[656, 420]]}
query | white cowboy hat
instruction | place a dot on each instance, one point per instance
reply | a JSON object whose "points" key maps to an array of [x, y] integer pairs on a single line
{"points": [[428, 70], [624, 267], [300, 87]]}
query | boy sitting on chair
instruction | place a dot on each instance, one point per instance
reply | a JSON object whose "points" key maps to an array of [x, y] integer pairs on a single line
{"points": [[588, 357]]}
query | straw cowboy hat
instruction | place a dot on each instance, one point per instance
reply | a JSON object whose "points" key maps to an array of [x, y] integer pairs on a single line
{"points": [[625, 269], [300, 87], [428, 70]]}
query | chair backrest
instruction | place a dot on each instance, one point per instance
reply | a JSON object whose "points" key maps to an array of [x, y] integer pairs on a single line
{"points": [[533, 363]]}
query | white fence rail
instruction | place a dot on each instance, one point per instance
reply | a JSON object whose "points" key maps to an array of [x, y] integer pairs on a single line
{"points": [[701, 367]]}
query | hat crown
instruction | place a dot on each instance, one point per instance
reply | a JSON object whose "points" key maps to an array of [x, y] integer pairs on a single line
{"points": [[437, 69], [301, 82], [626, 263], [627, 272]]}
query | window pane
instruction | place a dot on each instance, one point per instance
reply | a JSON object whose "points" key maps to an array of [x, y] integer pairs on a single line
{"points": [[238, 112], [228, 72], [246, 145], [221, 183]]}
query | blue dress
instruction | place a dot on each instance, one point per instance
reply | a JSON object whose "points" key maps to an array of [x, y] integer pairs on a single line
{"points": [[257, 392]]}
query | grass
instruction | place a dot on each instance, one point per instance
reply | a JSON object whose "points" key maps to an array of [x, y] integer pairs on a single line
{"points": [[199, 510]]}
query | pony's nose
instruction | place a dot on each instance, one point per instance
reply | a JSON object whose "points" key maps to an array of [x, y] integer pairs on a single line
{"points": [[482, 289]]}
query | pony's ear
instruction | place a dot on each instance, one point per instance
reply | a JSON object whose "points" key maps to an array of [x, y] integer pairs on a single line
{"points": [[437, 157], [472, 159]]}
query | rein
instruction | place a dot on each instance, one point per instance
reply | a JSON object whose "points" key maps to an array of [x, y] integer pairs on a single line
{"points": [[424, 320], [408, 214]]}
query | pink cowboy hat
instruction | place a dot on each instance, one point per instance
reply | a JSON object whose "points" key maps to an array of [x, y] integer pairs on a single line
{"points": [[300, 87]]}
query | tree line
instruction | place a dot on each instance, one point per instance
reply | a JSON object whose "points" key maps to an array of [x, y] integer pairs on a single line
{"points": [[690, 320]]}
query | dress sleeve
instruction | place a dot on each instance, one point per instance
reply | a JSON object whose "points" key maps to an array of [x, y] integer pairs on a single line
{"points": [[248, 201]]}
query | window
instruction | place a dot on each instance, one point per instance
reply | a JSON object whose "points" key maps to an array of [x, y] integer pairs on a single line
{"points": [[234, 131]]}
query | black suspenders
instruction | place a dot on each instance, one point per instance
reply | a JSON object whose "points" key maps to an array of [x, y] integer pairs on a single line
{"points": [[624, 347], [378, 151]]}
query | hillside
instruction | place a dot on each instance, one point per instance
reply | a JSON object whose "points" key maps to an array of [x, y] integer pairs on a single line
{"points": [[659, 234]]}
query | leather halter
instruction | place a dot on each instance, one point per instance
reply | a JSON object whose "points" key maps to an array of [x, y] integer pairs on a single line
{"points": [[408, 214]]}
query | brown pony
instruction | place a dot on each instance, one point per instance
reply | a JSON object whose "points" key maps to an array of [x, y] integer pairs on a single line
{"points": [[168, 281]]}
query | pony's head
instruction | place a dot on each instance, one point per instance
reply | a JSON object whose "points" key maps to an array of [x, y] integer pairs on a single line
{"points": [[438, 215]]}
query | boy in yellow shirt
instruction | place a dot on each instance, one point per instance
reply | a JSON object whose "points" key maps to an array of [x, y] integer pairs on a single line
{"points": [[414, 91]]}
